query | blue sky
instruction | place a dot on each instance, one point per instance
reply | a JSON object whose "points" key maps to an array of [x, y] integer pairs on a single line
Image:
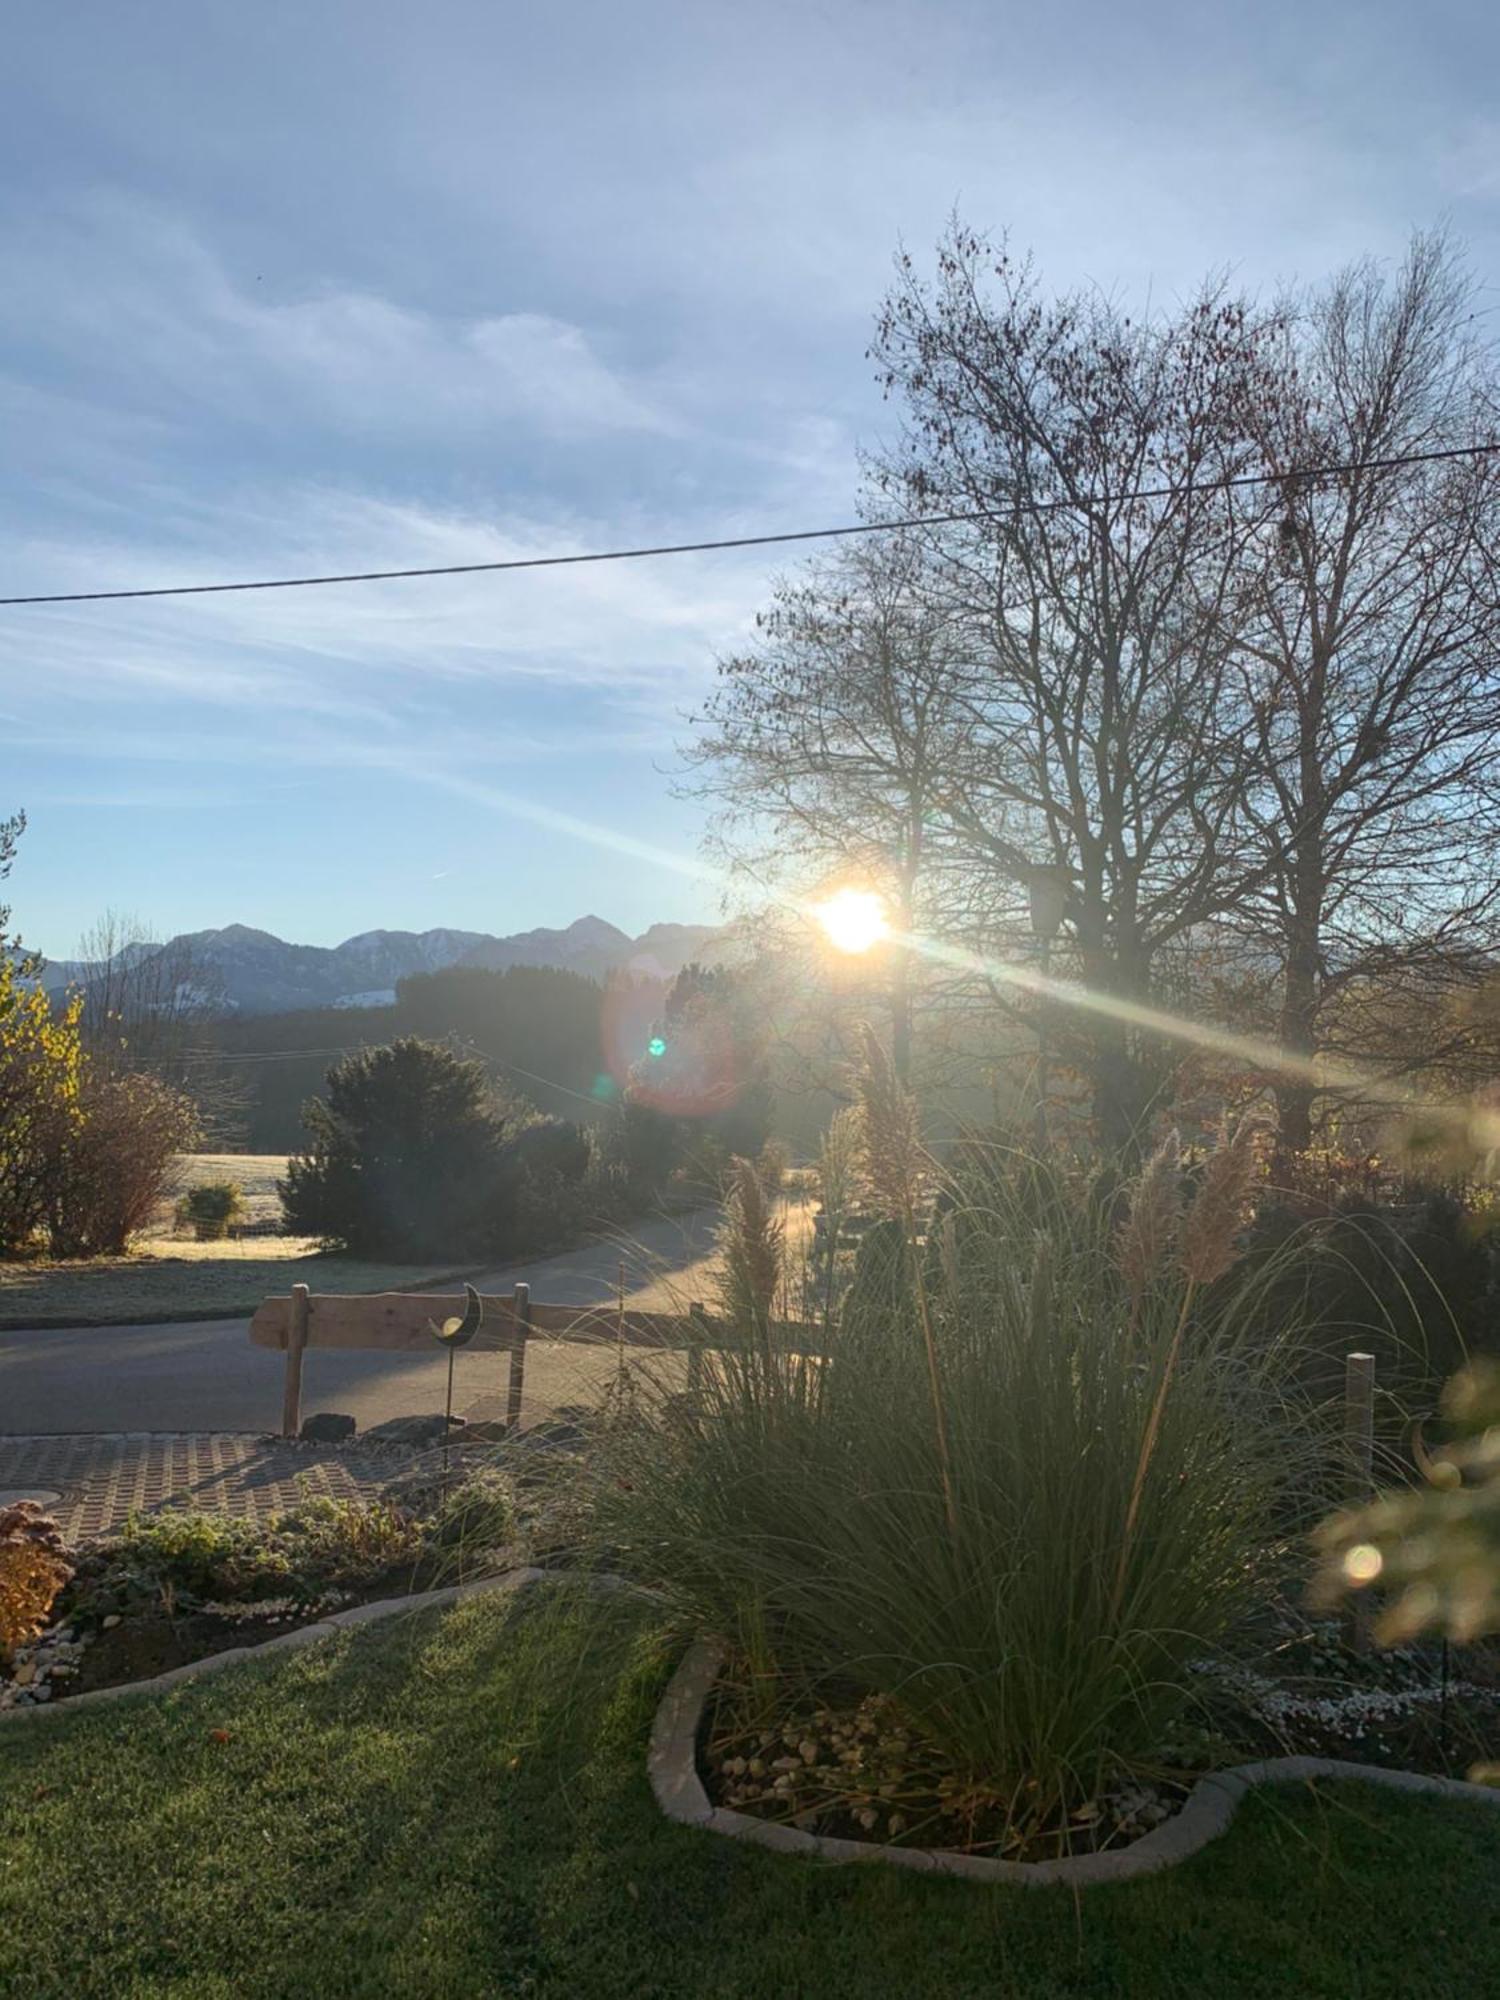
{"points": [[340, 286]]}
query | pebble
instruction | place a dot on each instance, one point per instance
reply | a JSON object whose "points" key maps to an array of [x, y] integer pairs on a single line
{"points": [[111, 1621]]}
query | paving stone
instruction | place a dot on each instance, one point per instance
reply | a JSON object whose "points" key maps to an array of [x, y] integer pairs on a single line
{"points": [[100, 1478]]}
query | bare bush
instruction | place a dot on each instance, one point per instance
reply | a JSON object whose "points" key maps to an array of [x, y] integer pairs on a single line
{"points": [[119, 1161]]}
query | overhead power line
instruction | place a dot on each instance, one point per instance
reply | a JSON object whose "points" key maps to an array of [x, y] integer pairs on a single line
{"points": [[1297, 475]]}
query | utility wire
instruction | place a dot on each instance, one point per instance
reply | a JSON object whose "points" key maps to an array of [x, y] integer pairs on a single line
{"points": [[210, 1059], [1013, 512]]}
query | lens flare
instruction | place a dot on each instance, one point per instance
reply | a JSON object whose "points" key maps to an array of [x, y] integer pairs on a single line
{"points": [[1363, 1563], [854, 920], [1477, 1125]]}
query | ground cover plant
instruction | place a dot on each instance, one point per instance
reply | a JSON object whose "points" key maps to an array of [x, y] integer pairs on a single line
{"points": [[178, 1585], [457, 1804]]}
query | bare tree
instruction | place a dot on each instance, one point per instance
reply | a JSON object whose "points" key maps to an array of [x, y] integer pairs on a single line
{"points": [[1097, 736], [149, 1007], [827, 747], [1366, 652], [1250, 716]]}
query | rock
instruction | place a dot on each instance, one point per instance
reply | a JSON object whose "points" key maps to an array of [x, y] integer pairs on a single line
{"points": [[111, 1621], [25, 1674], [327, 1427], [550, 1435], [411, 1430]]}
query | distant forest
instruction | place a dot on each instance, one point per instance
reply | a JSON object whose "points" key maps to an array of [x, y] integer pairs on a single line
{"points": [[563, 1042]]}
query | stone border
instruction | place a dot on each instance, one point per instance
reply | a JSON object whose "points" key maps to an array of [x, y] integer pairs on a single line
{"points": [[672, 1764], [299, 1636]]}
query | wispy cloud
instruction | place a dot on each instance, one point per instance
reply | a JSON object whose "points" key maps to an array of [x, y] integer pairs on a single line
{"points": [[178, 325]]}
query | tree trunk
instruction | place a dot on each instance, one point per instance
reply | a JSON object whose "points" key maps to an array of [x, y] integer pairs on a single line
{"points": [[1308, 887], [1298, 1038], [1119, 1080], [901, 1021]]}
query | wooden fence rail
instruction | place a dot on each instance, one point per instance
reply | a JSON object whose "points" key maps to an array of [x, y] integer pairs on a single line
{"points": [[402, 1322]]}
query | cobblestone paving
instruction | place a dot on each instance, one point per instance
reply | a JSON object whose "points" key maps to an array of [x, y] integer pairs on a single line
{"points": [[100, 1478]]}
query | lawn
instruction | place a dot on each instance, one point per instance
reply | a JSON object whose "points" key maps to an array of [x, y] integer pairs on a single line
{"points": [[171, 1276], [457, 1805], [188, 1281]]}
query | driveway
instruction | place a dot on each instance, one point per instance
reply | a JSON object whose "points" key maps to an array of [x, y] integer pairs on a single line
{"points": [[205, 1375]]}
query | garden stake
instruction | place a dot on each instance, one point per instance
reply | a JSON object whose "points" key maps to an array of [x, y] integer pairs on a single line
{"points": [[447, 1419], [453, 1334], [1359, 1447]]}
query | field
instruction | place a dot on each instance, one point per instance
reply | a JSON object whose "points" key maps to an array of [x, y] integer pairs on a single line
{"points": [[171, 1276], [255, 1173]]}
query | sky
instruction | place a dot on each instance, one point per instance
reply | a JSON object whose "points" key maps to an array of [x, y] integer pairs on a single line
{"points": [[342, 286]]}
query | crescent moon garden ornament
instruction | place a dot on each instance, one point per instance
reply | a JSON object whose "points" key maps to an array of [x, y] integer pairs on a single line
{"points": [[459, 1332], [454, 1334]]}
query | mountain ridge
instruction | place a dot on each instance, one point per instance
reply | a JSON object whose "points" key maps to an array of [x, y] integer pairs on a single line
{"points": [[260, 973]]}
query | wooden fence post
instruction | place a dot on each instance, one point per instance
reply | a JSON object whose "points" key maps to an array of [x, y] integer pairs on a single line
{"points": [[1359, 1449], [296, 1342], [697, 1340], [520, 1323]]}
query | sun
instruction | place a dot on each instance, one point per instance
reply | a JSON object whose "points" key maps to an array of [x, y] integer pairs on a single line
{"points": [[854, 920]]}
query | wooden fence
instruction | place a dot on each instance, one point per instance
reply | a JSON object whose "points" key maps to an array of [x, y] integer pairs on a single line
{"points": [[402, 1322]]}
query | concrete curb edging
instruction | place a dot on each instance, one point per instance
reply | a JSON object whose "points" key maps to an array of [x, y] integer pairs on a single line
{"points": [[672, 1765], [293, 1641]]}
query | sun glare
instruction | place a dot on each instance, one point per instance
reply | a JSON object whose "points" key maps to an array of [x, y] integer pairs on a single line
{"points": [[854, 920]]}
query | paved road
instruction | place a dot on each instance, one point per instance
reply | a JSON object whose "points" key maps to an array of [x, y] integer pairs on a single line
{"points": [[205, 1376]]}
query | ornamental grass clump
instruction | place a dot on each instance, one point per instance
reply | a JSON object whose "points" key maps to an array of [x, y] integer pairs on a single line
{"points": [[1047, 1461]]}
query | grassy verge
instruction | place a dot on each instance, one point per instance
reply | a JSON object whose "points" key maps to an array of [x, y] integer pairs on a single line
{"points": [[457, 1805], [227, 1284]]}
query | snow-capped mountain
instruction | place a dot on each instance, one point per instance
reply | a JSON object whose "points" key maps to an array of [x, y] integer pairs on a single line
{"points": [[261, 974]]}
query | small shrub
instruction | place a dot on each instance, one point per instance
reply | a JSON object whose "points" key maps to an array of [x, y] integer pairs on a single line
{"points": [[1431, 1555], [545, 1211], [1410, 1272], [332, 1543], [649, 1145], [118, 1161], [34, 1566], [554, 1148], [212, 1209], [175, 1560], [479, 1514]]}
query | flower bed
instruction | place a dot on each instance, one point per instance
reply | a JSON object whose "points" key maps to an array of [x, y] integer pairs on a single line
{"points": [[856, 1767], [178, 1587], [853, 1766]]}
